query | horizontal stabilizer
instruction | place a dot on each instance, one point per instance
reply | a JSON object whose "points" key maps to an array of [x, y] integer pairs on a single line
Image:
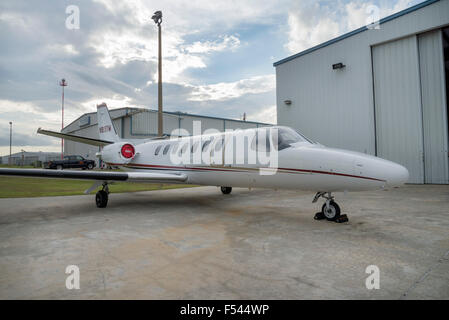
{"points": [[96, 175], [90, 141]]}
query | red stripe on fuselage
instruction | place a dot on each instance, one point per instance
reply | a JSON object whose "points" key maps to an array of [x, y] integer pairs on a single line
{"points": [[333, 173], [240, 169]]}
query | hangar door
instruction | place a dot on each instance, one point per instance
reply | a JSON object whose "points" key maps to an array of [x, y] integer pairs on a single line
{"points": [[433, 95], [397, 95]]}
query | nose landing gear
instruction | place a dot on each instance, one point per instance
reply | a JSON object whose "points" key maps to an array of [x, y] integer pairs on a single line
{"points": [[330, 209]]}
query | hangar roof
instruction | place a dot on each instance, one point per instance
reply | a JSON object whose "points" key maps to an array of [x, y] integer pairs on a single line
{"points": [[128, 111]]}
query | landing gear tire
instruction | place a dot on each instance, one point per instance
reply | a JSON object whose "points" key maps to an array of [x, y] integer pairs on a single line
{"points": [[331, 213], [101, 199], [330, 209], [226, 190]]}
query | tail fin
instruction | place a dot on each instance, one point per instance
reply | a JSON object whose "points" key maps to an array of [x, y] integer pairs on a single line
{"points": [[106, 128]]}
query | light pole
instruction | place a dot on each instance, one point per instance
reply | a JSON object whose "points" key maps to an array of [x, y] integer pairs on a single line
{"points": [[23, 156], [10, 141], [63, 84], [157, 17]]}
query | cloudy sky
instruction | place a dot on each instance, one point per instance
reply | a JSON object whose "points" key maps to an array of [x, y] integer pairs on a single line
{"points": [[218, 56]]}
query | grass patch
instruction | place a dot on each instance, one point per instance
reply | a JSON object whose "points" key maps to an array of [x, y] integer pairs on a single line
{"points": [[17, 167], [21, 187]]}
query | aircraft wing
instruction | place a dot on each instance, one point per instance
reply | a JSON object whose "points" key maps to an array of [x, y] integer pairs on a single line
{"points": [[96, 175], [90, 141]]}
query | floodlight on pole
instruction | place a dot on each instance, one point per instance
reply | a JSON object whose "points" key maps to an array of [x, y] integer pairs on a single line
{"points": [[157, 18], [63, 83]]}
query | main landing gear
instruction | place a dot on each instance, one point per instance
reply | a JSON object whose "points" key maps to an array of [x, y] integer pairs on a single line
{"points": [[330, 209], [101, 198], [226, 190]]}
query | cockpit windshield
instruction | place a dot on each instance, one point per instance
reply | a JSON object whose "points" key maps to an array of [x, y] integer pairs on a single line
{"points": [[286, 136], [281, 138]]}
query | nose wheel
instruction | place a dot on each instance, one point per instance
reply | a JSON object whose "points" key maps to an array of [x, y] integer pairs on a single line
{"points": [[330, 209]]}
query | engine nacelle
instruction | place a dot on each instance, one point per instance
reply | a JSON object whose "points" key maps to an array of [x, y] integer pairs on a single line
{"points": [[119, 153]]}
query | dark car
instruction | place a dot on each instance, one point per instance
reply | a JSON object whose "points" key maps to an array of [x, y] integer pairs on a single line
{"points": [[71, 162]]}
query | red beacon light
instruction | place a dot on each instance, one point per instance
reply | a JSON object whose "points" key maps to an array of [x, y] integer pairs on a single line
{"points": [[128, 151]]}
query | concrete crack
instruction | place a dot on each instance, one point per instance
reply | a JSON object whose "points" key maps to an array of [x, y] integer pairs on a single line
{"points": [[424, 276]]}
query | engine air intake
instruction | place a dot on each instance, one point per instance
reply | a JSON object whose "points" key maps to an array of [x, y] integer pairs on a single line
{"points": [[128, 151]]}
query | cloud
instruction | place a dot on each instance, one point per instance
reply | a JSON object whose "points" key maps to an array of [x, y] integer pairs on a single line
{"points": [[265, 115], [138, 41], [199, 15], [362, 13], [222, 43], [117, 101], [314, 22], [62, 49], [310, 25], [123, 46], [230, 90], [26, 118], [22, 140]]}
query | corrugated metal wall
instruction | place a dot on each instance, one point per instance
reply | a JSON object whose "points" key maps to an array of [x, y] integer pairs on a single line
{"points": [[433, 95], [145, 123], [337, 108], [398, 105], [328, 105]]}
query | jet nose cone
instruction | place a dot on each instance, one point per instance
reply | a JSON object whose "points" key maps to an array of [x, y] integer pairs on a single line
{"points": [[398, 175]]}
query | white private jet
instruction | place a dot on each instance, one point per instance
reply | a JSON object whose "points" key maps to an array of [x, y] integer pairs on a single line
{"points": [[212, 160]]}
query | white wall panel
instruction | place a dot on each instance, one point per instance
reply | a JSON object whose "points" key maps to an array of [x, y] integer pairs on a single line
{"points": [[398, 105], [333, 107]]}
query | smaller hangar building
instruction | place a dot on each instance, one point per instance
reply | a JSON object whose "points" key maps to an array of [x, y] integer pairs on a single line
{"points": [[135, 124], [382, 91], [26, 158]]}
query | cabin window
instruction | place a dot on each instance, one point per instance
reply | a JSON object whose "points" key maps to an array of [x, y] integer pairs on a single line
{"points": [[167, 147], [183, 149], [206, 143], [261, 141], [254, 143], [219, 144], [175, 147], [157, 150], [194, 146]]}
